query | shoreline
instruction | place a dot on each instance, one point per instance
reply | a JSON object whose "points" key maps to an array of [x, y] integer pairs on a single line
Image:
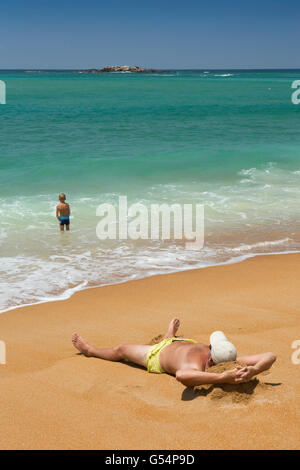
{"points": [[79, 288], [54, 398]]}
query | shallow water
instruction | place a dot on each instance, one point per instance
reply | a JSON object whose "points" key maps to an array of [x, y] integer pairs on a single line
{"points": [[225, 139]]}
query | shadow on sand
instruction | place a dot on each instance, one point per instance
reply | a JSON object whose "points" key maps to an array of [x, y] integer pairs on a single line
{"points": [[237, 392]]}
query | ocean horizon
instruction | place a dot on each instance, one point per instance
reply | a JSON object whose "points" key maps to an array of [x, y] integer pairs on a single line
{"points": [[225, 138]]}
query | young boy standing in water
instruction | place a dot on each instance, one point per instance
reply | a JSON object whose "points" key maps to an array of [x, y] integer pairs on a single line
{"points": [[63, 212]]}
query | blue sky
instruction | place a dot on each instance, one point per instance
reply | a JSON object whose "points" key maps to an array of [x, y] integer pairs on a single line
{"points": [[163, 34]]}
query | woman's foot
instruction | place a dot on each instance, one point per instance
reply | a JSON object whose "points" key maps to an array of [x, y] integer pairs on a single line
{"points": [[81, 345], [173, 328]]}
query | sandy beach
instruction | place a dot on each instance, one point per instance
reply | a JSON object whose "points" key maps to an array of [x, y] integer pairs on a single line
{"points": [[53, 398]]}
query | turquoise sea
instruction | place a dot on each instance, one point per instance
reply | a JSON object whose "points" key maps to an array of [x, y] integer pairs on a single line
{"points": [[227, 139]]}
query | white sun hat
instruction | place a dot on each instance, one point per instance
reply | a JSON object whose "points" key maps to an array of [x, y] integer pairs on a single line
{"points": [[221, 349]]}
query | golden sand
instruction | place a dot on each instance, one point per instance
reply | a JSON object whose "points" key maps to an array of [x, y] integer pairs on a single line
{"points": [[53, 398]]}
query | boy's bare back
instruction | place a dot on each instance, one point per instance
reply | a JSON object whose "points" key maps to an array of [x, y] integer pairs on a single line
{"points": [[63, 209]]}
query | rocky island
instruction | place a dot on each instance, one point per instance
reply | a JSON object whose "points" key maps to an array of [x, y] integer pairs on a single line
{"points": [[121, 69]]}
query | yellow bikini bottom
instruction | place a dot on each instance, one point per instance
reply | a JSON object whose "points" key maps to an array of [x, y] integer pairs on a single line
{"points": [[152, 361]]}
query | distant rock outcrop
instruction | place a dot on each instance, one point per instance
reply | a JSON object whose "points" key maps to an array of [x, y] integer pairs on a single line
{"points": [[120, 68]]}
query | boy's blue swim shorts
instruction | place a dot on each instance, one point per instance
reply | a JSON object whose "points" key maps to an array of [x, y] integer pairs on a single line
{"points": [[64, 220]]}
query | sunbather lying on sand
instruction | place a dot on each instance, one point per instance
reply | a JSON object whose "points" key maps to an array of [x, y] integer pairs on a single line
{"points": [[184, 358]]}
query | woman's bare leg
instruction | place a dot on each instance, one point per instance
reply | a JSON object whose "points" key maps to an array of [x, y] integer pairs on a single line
{"points": [[173, 328], [136, 353]]}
